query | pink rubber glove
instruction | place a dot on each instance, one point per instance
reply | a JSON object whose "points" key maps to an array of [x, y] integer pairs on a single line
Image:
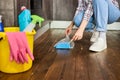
{"points": [[13, 46], [22, 58], [24, 39], [19, 47], [23, 47]]}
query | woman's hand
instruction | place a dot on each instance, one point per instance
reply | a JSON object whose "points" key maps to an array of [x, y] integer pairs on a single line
{"points": [[78, 35]]}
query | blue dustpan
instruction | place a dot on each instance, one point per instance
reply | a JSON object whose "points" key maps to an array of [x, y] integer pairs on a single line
{"points": [[65, 43]]}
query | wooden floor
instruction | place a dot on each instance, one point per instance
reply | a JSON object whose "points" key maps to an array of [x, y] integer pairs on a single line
{"points": [[76, 64]]}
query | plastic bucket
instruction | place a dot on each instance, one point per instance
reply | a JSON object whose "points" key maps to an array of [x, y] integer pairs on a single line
{"points": [[5, 64]]}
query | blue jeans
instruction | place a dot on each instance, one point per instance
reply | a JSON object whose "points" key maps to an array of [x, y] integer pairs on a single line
{"points": [[105, 12], [78, 19]]}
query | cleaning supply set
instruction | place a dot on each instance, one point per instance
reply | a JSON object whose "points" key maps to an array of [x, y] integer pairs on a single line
{"points": [[16, 50], [16, 46], [27, 22]]}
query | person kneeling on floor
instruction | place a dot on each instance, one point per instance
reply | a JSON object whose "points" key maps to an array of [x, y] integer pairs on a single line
{"points": [[94, 15]]}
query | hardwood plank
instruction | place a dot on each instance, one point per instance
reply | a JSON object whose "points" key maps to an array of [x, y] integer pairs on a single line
{"points": [[81, 72], [55, 70], [48, 55], [69, 69], [94, 70]]}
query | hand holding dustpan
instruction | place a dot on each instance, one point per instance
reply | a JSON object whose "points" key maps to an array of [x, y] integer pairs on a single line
{"points": [[65, 43]]}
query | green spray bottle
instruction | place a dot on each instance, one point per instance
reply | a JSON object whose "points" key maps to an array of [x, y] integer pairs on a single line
{"points": [[32, 24]]}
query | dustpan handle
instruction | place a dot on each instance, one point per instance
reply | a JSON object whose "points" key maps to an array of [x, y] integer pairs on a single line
{"points": [[67, 36]]}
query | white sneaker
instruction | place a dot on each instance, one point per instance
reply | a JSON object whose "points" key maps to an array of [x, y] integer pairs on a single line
{"points": [[99, 45], [94, 37]]}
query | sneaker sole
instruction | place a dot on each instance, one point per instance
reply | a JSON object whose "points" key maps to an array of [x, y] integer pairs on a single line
{"points": [[97, 50]]}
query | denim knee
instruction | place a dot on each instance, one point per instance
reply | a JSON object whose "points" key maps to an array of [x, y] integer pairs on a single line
{"points": [[97, 1], [78, 18]]}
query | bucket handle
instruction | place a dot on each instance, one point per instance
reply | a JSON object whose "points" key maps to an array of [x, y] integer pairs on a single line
{"points": [[1, 38]]}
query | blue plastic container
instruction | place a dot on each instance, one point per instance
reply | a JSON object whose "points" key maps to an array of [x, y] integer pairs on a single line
{"points": [[24, 19], [1, 25]]}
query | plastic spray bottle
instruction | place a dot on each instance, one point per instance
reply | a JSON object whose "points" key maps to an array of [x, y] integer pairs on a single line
{"points": [[1, 24], [24, 18], [32, 24]]}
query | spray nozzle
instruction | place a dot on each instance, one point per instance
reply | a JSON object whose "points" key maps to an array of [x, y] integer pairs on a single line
{"points": [[36, 19]]}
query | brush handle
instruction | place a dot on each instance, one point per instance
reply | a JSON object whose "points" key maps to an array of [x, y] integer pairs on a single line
{"points": [[67, 36], [71, 40]]}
